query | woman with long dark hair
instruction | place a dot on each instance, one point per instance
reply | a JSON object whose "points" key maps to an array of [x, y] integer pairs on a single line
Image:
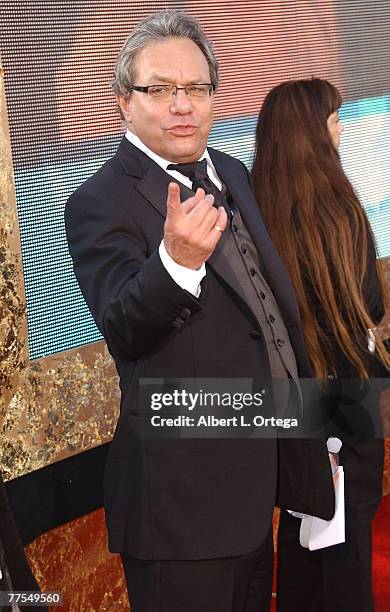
{"points": [[321, 231]]}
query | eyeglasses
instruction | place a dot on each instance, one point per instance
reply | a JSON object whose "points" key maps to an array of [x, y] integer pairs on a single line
{"points": [[198, 91]]}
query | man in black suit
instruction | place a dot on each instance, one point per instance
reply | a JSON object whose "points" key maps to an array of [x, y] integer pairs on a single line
{"points": [[180, 275]]}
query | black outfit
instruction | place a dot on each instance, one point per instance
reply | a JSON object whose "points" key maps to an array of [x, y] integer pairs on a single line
{"points": [[230, 584], [191, 499], [16, 574], [338, 578]]}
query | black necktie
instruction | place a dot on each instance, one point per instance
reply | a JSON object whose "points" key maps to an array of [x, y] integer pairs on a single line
{"points": [[197, 173]]}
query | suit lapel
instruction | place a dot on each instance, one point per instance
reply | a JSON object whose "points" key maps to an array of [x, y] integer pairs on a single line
{"points": [[154, 187], [153, 180]]}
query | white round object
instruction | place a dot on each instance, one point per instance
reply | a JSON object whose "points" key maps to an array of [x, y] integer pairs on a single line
{"points": [[334, 445]]}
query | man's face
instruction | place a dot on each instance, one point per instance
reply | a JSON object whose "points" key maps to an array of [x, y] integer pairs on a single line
{"points": [[176, 129]]}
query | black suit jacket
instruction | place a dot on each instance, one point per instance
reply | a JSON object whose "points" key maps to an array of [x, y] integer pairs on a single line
{"points": [[184, 499]]}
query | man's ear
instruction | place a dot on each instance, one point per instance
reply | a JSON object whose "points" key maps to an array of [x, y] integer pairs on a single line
{"points": [[124, 105]]}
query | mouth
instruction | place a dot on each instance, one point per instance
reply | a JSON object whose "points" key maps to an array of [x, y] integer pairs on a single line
{"points": [[182, 130]]}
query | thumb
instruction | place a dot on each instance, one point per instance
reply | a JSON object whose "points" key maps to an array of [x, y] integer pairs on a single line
{"points": [[173, 199]]}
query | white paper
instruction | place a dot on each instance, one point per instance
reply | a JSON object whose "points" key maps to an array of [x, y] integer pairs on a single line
{"points": [[316, 533]]}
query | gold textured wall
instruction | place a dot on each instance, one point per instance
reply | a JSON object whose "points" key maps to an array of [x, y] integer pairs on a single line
{"points": [[63, 404], [74, 560]]}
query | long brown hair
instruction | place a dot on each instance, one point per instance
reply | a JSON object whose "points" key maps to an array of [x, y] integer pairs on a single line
{"points": [[315, 221]]}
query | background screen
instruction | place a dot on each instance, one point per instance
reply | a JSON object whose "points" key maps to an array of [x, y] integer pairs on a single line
{"points": [[58, 59]]}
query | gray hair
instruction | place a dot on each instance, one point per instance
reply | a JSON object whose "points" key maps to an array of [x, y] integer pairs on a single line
{"points": [[157, 27]]}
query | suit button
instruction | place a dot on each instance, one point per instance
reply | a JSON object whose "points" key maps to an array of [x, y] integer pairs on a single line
{"points": [[243, 249], [271, 318], [185, 313], [280, 342], [255, 335], [262, 295], [177, 322], [253, 271]]}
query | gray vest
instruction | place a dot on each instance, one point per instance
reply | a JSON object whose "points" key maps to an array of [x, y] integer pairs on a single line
{"points": [[243, 258]]}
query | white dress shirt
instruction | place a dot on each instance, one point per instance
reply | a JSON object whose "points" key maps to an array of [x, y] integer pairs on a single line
{"points": [[186, 278]]}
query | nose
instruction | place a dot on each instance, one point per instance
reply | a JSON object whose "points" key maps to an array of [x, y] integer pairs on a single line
{"points": [[341, 128], [180, 103]]}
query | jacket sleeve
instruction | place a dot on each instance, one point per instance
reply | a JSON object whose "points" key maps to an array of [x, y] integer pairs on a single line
{"points": [[136, 304]]}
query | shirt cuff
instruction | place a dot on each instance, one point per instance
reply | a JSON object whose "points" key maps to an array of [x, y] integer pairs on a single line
{"points": [[186, 278]]}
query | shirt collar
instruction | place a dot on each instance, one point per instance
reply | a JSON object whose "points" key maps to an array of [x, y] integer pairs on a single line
{"points": [[163, 163]]}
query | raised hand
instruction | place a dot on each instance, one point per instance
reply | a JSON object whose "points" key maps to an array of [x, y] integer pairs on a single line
{"points": [[192, 228]]}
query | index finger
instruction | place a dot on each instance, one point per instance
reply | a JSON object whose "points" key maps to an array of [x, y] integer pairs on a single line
{"points": [[173, 199]]}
